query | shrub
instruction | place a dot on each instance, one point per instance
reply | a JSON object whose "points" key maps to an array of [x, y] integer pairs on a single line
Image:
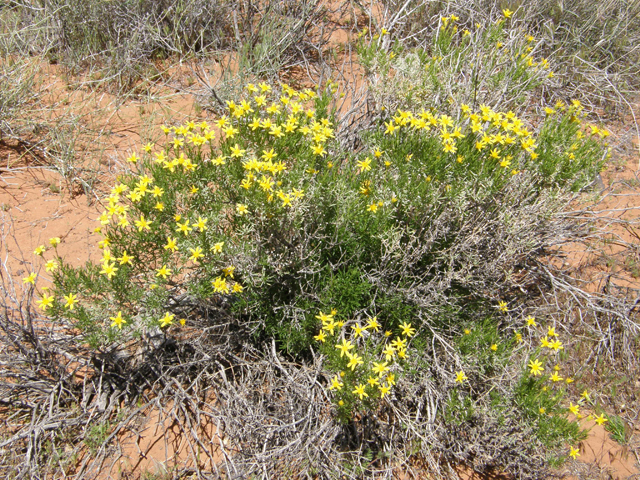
{"points": [[379, 259], [122, 42], [586, 43], [278, 210]]}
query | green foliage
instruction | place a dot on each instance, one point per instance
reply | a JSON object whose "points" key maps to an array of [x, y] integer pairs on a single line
{"points": [[96, 435], [541, 405], [618, 429]]}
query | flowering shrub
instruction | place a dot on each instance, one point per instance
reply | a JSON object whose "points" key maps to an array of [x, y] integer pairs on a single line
{"points": [[361, 380], [389, 261], [260, 217]]}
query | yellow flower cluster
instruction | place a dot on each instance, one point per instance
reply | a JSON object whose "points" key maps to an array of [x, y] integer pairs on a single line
{"points": [[280, 117], [536, 366], [499, 139], [495, 130], [376, 379]]}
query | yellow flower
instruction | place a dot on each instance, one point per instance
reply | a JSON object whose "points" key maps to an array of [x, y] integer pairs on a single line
{"points": [[329, 327], [40, 250], [357, 330], [71, 300], [219, 160], [399, 343], [163, 272], [552, 332], [45, 302], [230, 132], [220, 285], [373, 324], [318, 149], [201, 224], [217, 248], [344, 347], [132, 158], [276, 131], [117, 321], [575, 409], [237, 288], [536, 367], [460, 377], [354, 361], [407, 329], [389, 352], [183, 227], [531, 321], [391, 379], [542, 410], [555, 377], [373, 207], [196, 253], [125, 258], [228, 271], [241, 209], [286, 200], [55, 241], [273, 109], [391, 128], [556, 345], [30, 279], [324, 318], [364, 165], [494, 347], [574, 452], [171, 244], [166, 320], [601, 419], [359, 390], [507, 13], [320, 337], [109, 269], [236, 151], [336, 384], [384, 389], [380, 368], [143, 224], [502, 306]]}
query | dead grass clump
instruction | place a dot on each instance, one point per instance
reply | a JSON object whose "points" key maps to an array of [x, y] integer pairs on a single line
{"points": [[586, 43]]}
